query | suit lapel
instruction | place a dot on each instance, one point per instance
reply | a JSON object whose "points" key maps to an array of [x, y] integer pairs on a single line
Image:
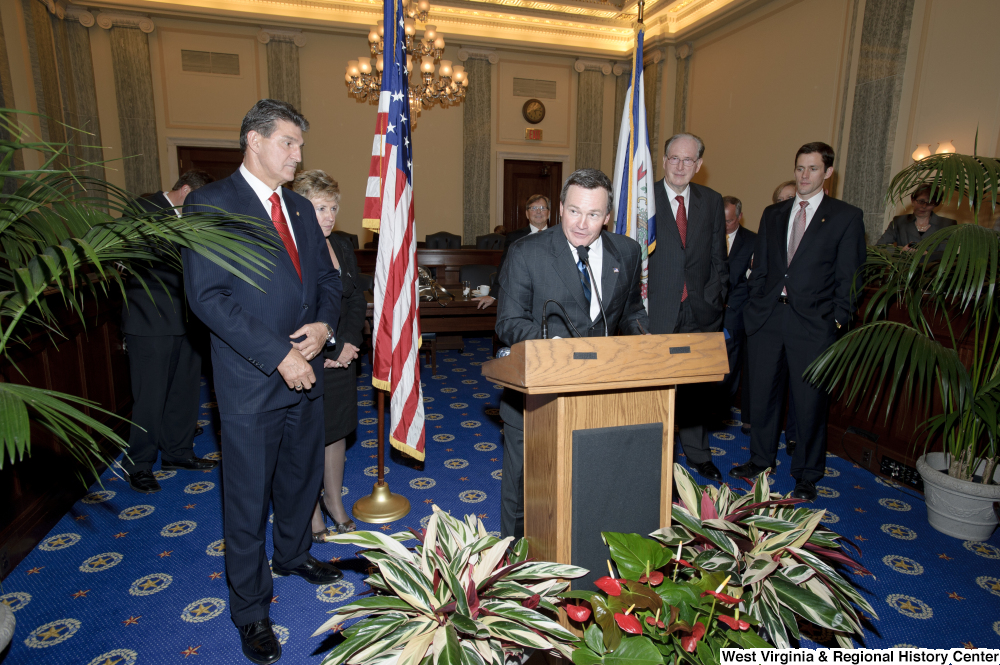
{"points": [[782, 235], [609, 271], [668, 211], [695, 214], [566, 268], [251, 205], [737, 241], [813, 230]]}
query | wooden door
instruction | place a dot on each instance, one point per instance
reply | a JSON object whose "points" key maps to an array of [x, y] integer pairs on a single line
{"points": [[523, 179], [220, 162]]}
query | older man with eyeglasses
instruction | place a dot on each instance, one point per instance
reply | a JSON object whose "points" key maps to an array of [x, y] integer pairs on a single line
{"points": [[689, 279]]}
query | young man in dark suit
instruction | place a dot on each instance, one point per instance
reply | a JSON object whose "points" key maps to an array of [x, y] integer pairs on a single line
{"points": [[689, 279], [800, 299], [266, 343], [164, 359], [551, 265], [739, 243]]}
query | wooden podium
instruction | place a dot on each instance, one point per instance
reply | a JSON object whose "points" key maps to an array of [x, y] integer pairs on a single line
{"points": [[595, 382]]}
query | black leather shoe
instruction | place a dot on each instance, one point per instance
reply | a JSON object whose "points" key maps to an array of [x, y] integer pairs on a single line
{"points": [[748, 471], [198, 431], [745, 429], [259, 642], [311, 570], [707, 470], [144, 481], [790, 447], [191, 464], [804, 490]]}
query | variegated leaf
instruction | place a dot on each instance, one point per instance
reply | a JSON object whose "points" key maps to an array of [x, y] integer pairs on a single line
{"points": [[375, 540], [505, 629], [688, 489], [672, 536], [724, 525], [798, 573], [546, 569], [808, 528], [363, 634], [776, 542], [401, 635], [809, 606], [469, 654], [771, 620], [714, 560], [408, 583], [834, 577], [430, 544], [416, 648], [489, 560], [530, 618], [758, 568], [689, 522]]}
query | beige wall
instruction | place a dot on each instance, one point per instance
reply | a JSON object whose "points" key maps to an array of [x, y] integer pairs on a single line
{"points": [[759, 89]]}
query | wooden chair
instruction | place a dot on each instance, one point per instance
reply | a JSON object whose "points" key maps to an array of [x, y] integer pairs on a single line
{"points": [[443, 240]]}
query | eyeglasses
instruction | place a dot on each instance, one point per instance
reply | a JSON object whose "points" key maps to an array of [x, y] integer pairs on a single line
{"points": [[923, 202], [537, 208], [688, 162]]}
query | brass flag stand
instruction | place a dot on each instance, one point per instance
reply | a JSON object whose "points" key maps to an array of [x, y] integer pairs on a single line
{"points": [[381, 505]]}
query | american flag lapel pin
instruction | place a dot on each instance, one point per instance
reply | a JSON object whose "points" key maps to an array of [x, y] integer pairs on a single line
{"points": [[616, 270]]}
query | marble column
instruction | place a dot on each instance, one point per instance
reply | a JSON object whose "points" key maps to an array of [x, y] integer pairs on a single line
{"points": [[652, 76], [134, 96], [476, 131], [885, 33], [283, 80], [7, 101], [683, 53], [623, 79], [76, 78], [44, 70], [590, 111]]}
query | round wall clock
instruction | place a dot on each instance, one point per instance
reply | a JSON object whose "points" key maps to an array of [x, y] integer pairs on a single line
{"points": [[533, 111]]}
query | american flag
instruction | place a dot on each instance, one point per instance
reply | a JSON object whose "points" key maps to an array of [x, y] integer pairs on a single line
{"points": [[389, 211], [636, 214]]}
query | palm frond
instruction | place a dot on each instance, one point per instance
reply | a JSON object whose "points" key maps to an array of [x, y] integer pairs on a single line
{"points": [[968, 178]]}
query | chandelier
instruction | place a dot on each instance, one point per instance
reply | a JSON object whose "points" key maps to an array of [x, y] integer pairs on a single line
{"points": [[364, 77]]}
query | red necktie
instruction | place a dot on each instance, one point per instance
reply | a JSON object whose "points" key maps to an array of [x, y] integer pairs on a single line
{"points": [[278, 217], [682, 228]]}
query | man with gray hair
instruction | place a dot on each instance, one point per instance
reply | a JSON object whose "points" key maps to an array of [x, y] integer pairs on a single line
{"points": [[688, 278], [266, 344], [553, 264]]}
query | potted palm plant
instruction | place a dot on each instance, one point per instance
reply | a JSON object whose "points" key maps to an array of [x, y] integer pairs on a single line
{"points": [[954, 287], [69, 238]]}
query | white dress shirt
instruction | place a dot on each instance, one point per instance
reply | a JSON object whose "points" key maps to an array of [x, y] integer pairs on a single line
{"points": [[534, 229], [176, 211], [672, 195], [730, 238], [810, 211], [264, 192], [596, 259]]}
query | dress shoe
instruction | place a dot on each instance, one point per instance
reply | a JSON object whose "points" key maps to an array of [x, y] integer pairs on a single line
{"points": [[339, 527], [311, 570], [144, 481], [198, 431], [804, 490], [790, 447], [747, 471], [707, 470], [192, 464], [745, 429], [259, 642]]}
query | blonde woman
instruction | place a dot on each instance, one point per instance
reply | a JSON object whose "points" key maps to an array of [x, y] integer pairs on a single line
{"points": [[340, 396]]}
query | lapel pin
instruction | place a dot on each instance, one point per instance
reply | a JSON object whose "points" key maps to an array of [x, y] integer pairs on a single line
{"points": [[820, 221], [616, 270], [297, 214]]}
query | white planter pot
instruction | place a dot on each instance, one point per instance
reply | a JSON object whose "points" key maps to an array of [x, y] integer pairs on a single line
{"points": [[958, 508], [6, 626]]}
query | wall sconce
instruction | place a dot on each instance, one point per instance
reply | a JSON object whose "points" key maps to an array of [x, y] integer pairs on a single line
{"points": [[944, 148], [923, 150]]}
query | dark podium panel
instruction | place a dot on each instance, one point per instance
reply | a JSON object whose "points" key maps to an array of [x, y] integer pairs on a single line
{"points": [[616, 487]]}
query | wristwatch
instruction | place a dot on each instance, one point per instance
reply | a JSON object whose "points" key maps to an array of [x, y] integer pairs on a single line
{"points": [[329, 332]]}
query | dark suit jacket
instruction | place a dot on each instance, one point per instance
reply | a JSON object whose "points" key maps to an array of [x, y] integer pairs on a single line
{"points": [[352, 301], [902, 230], [165, 312], [251, 326], [739, 263], [509, 240], [820, 277], [702, 263], [541, 267]]}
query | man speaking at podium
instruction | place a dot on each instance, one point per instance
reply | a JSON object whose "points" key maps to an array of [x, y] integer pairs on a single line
{"points": [[581, 267]]}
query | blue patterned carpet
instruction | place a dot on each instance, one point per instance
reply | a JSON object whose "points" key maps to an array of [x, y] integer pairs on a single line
{"points": [[127, 578]]}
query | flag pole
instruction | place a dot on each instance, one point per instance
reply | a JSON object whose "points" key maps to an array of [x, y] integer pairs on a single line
{"points": [[642, 7], [381, 505]]}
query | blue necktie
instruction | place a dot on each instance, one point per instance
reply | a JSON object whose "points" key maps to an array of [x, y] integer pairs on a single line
{"points": [[583, 253]]}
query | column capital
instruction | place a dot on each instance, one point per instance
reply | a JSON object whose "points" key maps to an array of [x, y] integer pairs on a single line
{"points": [[602, 66], [623, 67], [654, 56], [77, 13], [467, 52], [684, 51], [107, 20], [268, 34]]}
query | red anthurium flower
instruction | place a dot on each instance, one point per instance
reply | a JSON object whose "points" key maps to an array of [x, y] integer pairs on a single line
{"points": [[656, 578], [531, 603], [734, 624], [578, 612], [690, 643], [628, 623], [681, 562], [721, 596], [609, 585], [653, 622]]}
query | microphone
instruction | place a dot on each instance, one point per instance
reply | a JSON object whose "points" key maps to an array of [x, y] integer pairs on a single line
{"points": [[584, 254], [545, 318]]}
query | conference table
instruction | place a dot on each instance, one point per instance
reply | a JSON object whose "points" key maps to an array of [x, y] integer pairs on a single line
{"points": [[461, 314]]}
